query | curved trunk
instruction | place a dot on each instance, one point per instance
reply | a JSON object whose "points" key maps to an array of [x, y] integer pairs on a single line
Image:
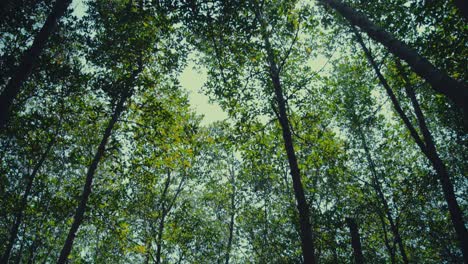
{"points": [[307, 243], [28, 60], [80, 210], [428, 148], [438, 79]]}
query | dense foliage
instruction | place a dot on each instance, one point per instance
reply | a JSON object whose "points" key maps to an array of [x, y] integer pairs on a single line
{"points": [[346, 138]]}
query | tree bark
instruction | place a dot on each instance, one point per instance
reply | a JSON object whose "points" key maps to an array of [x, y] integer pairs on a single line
{"points": [[439, 167], [307, 243], [80, 210], [438, 79], [24, 200], [28, 60], [428, 148], [160, 233], [355, 240]]}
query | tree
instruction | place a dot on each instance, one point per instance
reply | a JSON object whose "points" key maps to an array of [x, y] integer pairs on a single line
{"points": [[427, 147], [440, 81], [107, 158], [12, 89], [355, 240]]}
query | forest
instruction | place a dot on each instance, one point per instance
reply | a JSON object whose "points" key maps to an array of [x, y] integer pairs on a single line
{"points": [[345, 137]]}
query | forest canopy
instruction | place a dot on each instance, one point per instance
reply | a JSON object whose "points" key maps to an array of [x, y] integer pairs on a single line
{"points": [[345, 138]]}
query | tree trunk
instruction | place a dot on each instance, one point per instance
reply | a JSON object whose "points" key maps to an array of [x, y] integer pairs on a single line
{"points": [[439, 80], [165, 210], [233, 214], [429, 150], [390, 249], [307, 243], [355, 240], [80, 210], [462, 6], [5, 7], [163, 216], [28, 60], [24, 200], [439, 167], [378, 189]]}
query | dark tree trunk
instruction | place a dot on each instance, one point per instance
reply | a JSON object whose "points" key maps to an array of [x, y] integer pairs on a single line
{"points": [[355, 240], [390, 249], [28, 60], [439, 80], [32, 251], [429, 150], [163, 216], [307, 243], [462, 6], [165, 210], [80, 210], [5, 7], [24, 200], [20, 253], [439, 167], [159, 239], [378, 189]]}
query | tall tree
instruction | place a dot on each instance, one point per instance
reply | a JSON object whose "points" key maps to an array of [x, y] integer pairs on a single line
{"points": [[81, 209], [428, 148], [29, 58], [355, 240], [439, 80], [24, 200], [302, 206]]}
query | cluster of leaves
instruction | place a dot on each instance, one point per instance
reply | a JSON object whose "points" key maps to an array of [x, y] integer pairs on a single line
{"points": [[169, 189]]}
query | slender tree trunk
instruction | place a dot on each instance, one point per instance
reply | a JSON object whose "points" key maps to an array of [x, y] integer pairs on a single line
{"points": [[438, 79], [80, 210], [389, 247], [159, 239], [24, 200], [355, 240], [393, 227], [165, 210], [307, 243], [439, 167], [148, 251], [429, 150], [232, 217], [378, 189], [163, 216], [32, 251], [28, 60]]}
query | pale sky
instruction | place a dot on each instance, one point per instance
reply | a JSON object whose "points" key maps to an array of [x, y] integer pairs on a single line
{"points": [[192, 80]]}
